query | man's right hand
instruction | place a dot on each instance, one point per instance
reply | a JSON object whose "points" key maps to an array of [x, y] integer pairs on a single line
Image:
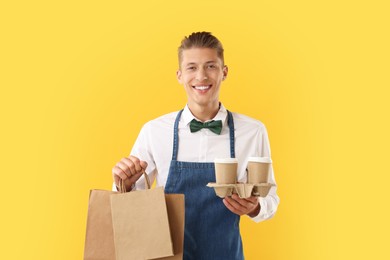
{"points": [[129, 169]]}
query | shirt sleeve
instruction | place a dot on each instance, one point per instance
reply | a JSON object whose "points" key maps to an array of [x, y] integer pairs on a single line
{"points": [[142, 150], [268, 204]]}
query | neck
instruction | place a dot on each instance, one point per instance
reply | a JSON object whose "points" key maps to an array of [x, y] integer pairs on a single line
{"points": [[204, 113]]}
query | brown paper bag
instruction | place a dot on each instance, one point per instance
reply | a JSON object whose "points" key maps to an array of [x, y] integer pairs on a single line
{"points": [[99, 240], [141, 226], [100, 243], [175, 207]]}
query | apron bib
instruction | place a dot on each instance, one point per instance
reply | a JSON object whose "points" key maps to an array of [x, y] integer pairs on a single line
{"points": [[211, 230]]}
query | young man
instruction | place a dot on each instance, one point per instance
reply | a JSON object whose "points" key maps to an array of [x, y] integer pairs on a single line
{"points": [[180, 155]]}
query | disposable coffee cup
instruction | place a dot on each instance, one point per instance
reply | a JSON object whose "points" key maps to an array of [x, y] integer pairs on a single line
{"points": [[226, 170], [258, 169]]}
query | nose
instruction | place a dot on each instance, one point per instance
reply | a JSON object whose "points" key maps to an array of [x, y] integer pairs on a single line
{"points": [[201, 75]]}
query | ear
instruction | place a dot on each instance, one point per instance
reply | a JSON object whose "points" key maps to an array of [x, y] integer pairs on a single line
{"points": [[225, 71], [178, 76]]}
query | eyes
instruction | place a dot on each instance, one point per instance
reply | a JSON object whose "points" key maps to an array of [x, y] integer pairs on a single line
{"points": [[208, 67]]}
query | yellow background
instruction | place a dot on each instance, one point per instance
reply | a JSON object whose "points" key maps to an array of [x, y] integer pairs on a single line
{"points": [[79, 78]]}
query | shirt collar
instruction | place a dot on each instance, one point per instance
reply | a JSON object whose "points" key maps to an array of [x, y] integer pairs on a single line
{"points": [[187, 116]]}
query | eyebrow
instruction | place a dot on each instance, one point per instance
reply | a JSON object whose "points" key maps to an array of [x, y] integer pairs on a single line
{"points": [[193, 63]]}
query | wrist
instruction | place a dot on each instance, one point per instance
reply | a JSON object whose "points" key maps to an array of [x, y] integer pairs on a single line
{"points": [[255, 211]]}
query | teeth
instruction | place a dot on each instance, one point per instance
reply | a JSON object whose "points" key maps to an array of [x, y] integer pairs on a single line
{"points": [[202, 87]]}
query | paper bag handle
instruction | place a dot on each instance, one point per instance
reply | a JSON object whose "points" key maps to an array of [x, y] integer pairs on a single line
{"points": [[122, 187]]}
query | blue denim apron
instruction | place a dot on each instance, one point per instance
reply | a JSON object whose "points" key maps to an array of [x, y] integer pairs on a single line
{"points": [[211, 230]]}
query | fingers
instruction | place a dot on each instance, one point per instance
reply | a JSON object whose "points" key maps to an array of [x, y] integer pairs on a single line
{"points": [[144, 164], [132, 165], [135, 164], [240, 206], [243, 203], [252, 199], [128, 169], [124, 167], [118, 173]]}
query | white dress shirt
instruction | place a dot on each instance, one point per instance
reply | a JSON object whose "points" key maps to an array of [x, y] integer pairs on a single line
{"points": [[155, 145]]}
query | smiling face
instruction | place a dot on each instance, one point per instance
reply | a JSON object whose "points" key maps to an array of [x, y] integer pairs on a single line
{"points": [[201, 73]]}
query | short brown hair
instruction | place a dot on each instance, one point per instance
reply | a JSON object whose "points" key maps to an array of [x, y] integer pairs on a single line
{"points": [[201, 40]]}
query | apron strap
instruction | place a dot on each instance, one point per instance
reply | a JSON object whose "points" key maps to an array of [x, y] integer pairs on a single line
{"points": [[176, 136], [232, 139]]}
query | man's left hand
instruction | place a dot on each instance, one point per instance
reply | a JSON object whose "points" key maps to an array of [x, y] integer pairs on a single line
{"points": [[249, 206]]}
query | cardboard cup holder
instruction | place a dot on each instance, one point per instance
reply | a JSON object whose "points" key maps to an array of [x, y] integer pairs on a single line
{"points": [[244, 190]]}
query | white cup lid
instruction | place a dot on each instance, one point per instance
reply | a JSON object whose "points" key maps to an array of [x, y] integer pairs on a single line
{"points": [[225, 160], [260, 159]]}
